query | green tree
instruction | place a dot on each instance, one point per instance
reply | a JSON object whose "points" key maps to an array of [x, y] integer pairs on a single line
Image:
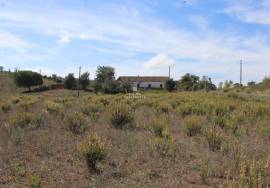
{"points": [[104, 73], [28, 79], [70, 81], [84, 80], [105, 80], [170, 85], [189, 82], [251, 83]]}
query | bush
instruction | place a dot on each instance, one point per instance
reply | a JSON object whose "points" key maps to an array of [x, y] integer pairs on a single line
{"points": [[28, 79], [170, 85], [70, 81], [163, 107], [6, 107], [34, 182], [193, 125], [19, 121], [94, 149], [120, 115], [55, 108], [92, 110], [164, 146], [219, 121], [76, 122], [160, 127], [214, 138]]}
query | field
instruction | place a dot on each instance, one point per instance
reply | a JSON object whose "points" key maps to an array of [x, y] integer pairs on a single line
{"points": [[181, 139]]}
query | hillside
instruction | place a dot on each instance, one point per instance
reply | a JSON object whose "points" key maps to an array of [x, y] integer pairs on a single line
{"points": [[150, 140]]}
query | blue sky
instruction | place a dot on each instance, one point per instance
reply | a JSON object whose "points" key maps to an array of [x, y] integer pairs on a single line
{"points": [[203, 37]]}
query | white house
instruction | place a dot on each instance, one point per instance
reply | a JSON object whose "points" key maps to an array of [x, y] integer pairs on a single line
{"points": [[145, 82]]}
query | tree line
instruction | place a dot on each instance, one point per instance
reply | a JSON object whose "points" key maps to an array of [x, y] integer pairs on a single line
{"points": [[105, 82]]}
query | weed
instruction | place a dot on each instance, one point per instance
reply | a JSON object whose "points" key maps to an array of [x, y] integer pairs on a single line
{"points": [[120, 115], [54, 108], [214, 138], [193, 125], [76, 122], [34, 181], [94, 149]]}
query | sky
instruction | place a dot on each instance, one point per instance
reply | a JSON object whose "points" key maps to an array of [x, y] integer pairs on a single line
{"points": [[138, 37]]}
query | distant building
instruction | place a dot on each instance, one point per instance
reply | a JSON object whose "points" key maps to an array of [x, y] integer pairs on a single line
{"points": [[1, 69], [145, 82]]}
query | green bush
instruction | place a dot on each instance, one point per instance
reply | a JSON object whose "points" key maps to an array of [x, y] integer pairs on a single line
{"points": [[28, 79], [121, 114], [193, 125], [76, 122], [94, 149]]}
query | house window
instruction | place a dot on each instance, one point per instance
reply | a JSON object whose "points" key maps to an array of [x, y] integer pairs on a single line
{"points": [[149, 85], [138, 85], [161, 86]]}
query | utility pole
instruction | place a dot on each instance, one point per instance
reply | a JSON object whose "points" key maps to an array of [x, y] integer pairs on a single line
{"points": [[170, 72], [79, 81], [241, 64]]}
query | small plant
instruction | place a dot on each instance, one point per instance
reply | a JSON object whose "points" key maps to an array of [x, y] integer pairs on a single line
{"points": [[54, 108], [219, 121], [163, 107], [76, 122], [94, 149], [92, 110], [193, 125], [39, 120], [120, 115], [6, 107], [164, 146], [34, 181], [214, 138], [161, 127]]}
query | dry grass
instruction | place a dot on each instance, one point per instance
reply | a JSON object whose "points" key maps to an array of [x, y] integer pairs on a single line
{"points": [[176, 140]]}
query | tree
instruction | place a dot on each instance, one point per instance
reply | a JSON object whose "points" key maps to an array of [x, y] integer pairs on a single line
{"points": [[84, 80], [28, 79], [189, 82], [105, 80], [170, 85], [251, 83], [104, 73], [125, 87], [70, 81]]}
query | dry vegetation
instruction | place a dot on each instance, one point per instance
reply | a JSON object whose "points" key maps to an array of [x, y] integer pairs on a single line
{"points": [[54, 139]]}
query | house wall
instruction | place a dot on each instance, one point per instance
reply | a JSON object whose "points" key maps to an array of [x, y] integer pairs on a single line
{"points": [[146, 84]]}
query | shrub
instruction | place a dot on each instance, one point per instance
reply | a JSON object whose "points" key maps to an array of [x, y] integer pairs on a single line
{"points": [[164, 146], [92, 110], [219, 121], [6, 107], [214, 138], [163, 107], [120, 114], [160, 127], [76, 122], [193, 125], [70, 81], [170, 85], [34, 181], [55, 108], [94, 149], [19, 121], [28, 79]]}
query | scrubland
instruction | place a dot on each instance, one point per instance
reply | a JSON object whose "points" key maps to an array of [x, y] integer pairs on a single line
{"points": [[181, 139]]}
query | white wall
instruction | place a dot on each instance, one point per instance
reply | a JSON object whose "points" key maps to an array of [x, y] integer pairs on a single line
{"points": [[146, 84]]}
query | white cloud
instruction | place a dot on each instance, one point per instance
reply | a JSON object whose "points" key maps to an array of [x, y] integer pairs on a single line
{"points": [[65, 39], [159, 61], [132, 32], [251, 12]]}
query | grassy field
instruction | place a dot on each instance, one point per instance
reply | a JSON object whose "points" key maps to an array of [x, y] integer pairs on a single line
{"points": [[55, 139]]}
